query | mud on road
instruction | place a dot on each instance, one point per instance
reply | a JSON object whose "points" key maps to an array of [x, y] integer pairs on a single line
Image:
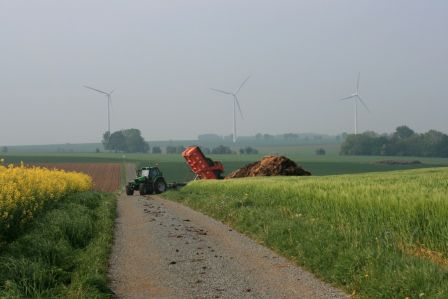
{"points": [[165, 250]]}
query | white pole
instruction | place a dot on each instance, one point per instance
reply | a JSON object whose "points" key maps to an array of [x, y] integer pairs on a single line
{"points": [[356, 116], [234, 119], [108, 113]]}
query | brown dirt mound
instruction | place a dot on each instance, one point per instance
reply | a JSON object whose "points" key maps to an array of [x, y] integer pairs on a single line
{"points": [[269, 166]]}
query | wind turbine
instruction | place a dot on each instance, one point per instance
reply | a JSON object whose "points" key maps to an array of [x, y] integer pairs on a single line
{"points": [[109, 103], [356, 98], [235, 104]]}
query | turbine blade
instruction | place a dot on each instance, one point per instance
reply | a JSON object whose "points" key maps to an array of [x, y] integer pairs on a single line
{"points": [[221, 91], [242, 84], [364, 104], [357, 83], [239, 108], [95, 89], [347, 98]]}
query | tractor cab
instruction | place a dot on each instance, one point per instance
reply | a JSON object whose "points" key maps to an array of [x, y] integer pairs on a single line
{"points": [[149, 172], [149, 180]]}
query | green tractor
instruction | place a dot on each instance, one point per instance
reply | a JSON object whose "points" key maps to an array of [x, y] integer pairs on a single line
{"points": [[149, 180]]}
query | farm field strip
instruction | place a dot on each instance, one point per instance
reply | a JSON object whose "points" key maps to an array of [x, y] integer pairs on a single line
{"points": [[175, 170], [106, 176], [377, 235]]}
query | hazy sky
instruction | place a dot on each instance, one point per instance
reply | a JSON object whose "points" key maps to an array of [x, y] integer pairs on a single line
{"points": [[163, 56]]}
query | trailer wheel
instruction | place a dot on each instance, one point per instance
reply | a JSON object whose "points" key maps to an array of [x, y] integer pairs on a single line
{"points": [[219, 174], [160, 186], [129, 190]]}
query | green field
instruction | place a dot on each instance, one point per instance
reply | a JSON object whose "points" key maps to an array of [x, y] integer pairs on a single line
{"points": [[175, 168], [379, 235]]}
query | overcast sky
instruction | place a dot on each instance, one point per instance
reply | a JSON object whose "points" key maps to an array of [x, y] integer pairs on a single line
{"points": [[163, 56]]}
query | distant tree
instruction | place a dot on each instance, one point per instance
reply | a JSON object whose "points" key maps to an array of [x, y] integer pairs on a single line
{"points": [[129, 141], [180, 149], [251, 151], [267, 137], [248, 151], [228, 137], [289, 136], [206, 150], [171, 149], [222, 150], [156, 150], [403, 142], [4, 149], [403, 132], [134, 141], [320, 152], [117, 142], [259, 136], [105, 141], [97, 150]]}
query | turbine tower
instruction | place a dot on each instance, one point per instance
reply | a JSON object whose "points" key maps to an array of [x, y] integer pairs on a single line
{"points": [[235, 104], [356, 98], [109, 103]]}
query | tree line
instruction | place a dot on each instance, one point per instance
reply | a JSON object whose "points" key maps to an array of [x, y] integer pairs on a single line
{"points": [[131, 141], [219, 150], [403, 142], [127, 141]]}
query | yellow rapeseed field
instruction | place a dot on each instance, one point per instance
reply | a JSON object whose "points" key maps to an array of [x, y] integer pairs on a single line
{"points": [[25, 190]]}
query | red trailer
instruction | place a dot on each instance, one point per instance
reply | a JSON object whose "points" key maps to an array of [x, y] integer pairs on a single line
{"points": [[204, 168]]}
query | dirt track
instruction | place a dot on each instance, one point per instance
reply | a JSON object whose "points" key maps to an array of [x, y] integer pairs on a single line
{"points": [[165, 250]]}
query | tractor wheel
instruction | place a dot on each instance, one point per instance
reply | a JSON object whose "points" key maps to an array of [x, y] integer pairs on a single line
{"points": [[160, 186], [142, 189], [129, 190]]}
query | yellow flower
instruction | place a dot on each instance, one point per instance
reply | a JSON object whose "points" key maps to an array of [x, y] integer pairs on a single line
{"points": [[24, 191]]}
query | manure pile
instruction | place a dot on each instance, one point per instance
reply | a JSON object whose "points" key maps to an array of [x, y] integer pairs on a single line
{"points": [[269, 166]]}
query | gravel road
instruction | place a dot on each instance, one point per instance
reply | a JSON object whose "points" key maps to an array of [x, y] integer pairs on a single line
{"points": [[163, 249]]}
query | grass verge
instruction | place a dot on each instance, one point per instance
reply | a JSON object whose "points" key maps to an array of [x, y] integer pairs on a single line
{"points": [[379, 235], [65, 252]]}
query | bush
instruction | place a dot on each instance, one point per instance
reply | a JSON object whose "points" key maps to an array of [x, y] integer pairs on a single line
{"points": [[170, 149], [248, 151], [156, 150], [222, 150], [320, 152]]}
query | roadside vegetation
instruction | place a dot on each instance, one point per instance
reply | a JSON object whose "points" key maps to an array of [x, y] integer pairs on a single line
{"points": [[378, 235], [64, 251], [55, 234], [24, 192]]}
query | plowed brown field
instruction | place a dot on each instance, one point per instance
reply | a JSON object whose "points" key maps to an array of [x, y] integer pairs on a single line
{"points": [[105, 176]]}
